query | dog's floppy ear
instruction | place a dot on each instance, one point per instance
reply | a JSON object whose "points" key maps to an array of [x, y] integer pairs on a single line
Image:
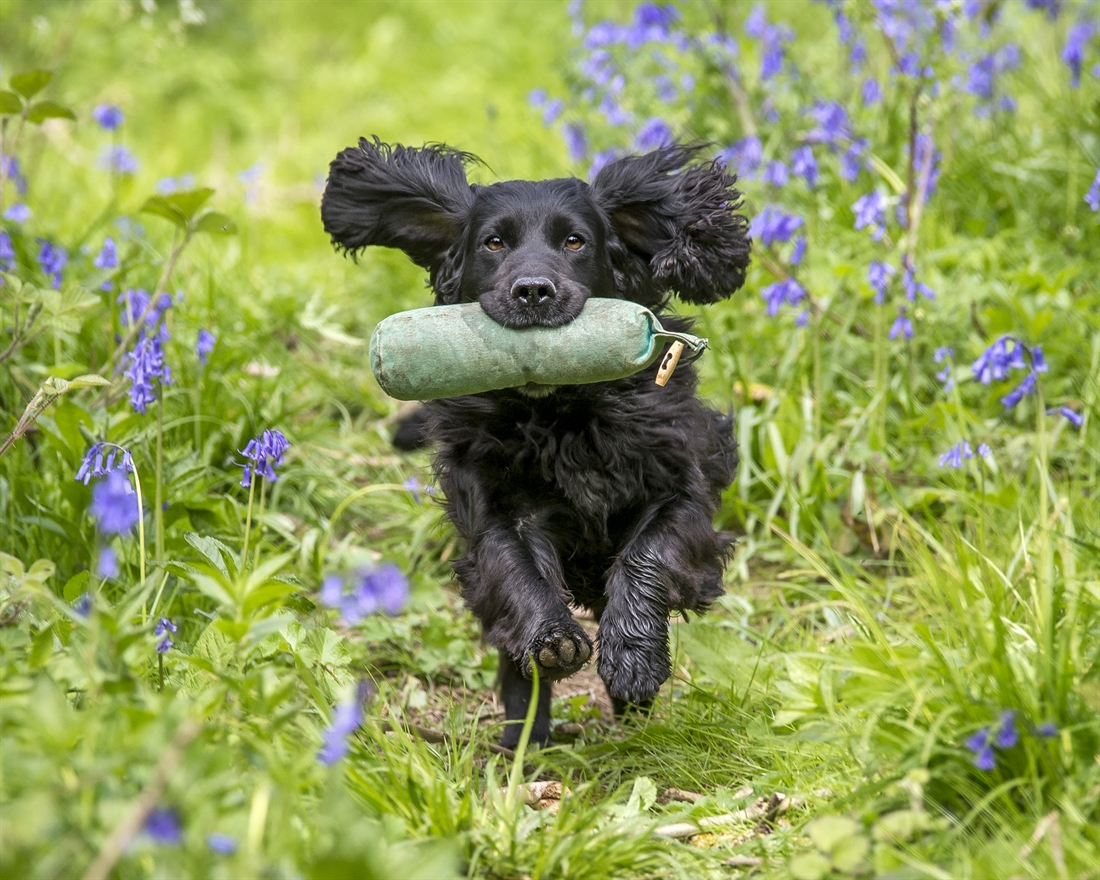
{"points": [[401, 197], [677, 223]]}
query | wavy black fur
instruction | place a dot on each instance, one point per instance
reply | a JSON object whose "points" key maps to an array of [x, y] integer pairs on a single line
{"points": [[598, 495]]}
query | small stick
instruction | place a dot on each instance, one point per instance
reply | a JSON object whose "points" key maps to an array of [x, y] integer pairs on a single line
{"points": [[764, 808]]}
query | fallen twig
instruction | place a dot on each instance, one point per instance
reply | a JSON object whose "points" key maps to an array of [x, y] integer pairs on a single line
{"points": [[763, 809]]}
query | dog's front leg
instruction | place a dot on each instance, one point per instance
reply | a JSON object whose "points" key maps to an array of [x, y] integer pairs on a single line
{"points": [[674, 559], [511, 580]]}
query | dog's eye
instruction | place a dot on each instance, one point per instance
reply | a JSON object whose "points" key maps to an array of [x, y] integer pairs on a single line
{"points": [[494, 242], [574, 242]]}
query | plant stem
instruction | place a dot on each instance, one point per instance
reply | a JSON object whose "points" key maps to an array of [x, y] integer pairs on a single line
{"points": [[260, 521], [158, 511], [141, 539], [248, 517]]}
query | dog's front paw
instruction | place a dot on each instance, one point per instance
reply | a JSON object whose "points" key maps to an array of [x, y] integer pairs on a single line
{"points": [[557, 654], [633, 668]]}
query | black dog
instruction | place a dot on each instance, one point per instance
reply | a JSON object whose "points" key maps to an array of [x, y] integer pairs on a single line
{"points": [[600, 495]]}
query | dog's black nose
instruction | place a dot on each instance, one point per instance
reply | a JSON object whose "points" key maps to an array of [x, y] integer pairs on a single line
{"points": [[532, 291]]}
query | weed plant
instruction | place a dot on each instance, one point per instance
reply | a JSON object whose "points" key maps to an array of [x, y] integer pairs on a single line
{"points": [[229, 641]]}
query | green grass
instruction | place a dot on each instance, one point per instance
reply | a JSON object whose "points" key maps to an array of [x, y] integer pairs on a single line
{"points": [[881, 608]]}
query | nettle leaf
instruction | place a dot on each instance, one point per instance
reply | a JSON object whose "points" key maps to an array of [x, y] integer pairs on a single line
{"points": [[31, 83], [215, 223], [44, 110], [828, 831], [10, 103]]}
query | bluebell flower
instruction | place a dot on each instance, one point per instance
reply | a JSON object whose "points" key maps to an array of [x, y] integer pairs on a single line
{"points": [[413, 485], [106, 563], [18, 213], [163, 827], [52, 258], [653, 134], [205, 345], [870, 213], [943, 353], [346, 718], [109, 116], [164, 628], [264, 454], [107, 258], [1092, 197], [599, 67], [857, 55], [119, 159], [1073, 53], [575, 142], [102, 459], [536, 97], [135, 303], [981, 745], [83, 604], [927, 155], [114, 504], [788, 292], [222, 844], [600, 160], [902, 326], [799, 250], [1007, 736], [775, 174], [745, 155], [756, 22], [1046, 730], [832, 122], [613, 112], [871, 92], [146, 367], [958, 453], [1026, 387], [552, 110], [184, 183], [804, 165], [10, 169], [384, 588], [984, 451], [979, 77], [1074, 418], [1051, 7], [773, 225], [851, 160], [998, 359], [913, 287], [878, 276], [7, 252]]}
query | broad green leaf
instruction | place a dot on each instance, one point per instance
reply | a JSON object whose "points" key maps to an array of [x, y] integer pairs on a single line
{"points": [[900, 826], [41, 570], [266, 595], [211, 548], [215, 588], [44, 110], [41, 648], [848, 854], [75, 586], [261, 629], [234, 629], [31, 83], [215, 223], [809, 866], [187, 203], [12, 566], [10, 103], [161, 207], [828, 831]]}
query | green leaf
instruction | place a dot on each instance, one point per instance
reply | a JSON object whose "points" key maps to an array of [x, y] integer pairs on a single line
{"points": [[44, 110], [215, 589], [848, 854], [187, 203], [266, 595], [211, 548], [161, 207], [31, 83], [10, 103], [75, 586], [41, 649], [809, 866], [215, 223], [829, 831]]}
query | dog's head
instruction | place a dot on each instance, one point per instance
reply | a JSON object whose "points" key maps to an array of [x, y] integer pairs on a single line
{"points": [[533, 252]]}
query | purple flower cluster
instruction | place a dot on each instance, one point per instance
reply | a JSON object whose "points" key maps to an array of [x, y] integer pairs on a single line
{"points": [[369, 590], [1005, 355], [804, 165], [119, 160], [772, 39], [168, 185], [944, 355], [870, 213], [52, 258], [107, 563], [772, 225], [163, 827], [982, 742], [346, 718], [1092, 197], [10, 169], [109, 116], [114, 504], [902, 328], [205, 345], [878, 276], [788, 291], [147, 366], [744, 156], [103, 459], [18, 213], [163, 628], [1073, 53], [264, 454], [7, 252]]}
